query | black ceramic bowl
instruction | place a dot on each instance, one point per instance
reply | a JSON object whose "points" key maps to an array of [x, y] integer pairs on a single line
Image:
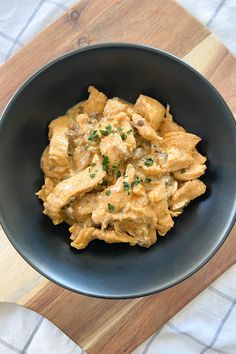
{"points": [[116, 271]]}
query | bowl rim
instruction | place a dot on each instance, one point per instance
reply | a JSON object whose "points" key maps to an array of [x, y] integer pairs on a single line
{"points": [[124, 45]]}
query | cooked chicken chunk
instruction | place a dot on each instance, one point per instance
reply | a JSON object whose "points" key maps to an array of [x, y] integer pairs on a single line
{"points": [[82, 239], [152, 110], [77, 185], [119, 172], [96, 101], [189, 191], [145, 129]]}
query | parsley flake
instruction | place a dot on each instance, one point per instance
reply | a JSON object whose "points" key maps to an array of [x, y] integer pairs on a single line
{"points": [[92, 175], [136, 181], [93, 136], [108, 193], [104, 132], [110, 207], [118, 174], [126, 186], [119, 129], [149, 162], [105, 163], [123, 136]]}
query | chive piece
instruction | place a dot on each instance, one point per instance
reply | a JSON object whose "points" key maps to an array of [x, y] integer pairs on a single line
{"points": [[136, 181], [130, 131], [126, 186], [108, 193], [148, 180], [149, 162], [118, 174], [109, 128], [123, 136], [105, 163], [93, 136], [93, 164], [104, 182], [92, 175], [110, 207], [119, 129], [104, 132]]}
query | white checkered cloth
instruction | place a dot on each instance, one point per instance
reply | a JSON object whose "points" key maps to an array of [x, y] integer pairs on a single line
{"points": [[208, 324]]}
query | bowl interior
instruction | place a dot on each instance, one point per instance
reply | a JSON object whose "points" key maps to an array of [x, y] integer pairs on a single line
{"points": [[116, 270]]}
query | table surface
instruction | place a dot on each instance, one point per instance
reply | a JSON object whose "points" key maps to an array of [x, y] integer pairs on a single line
{"points": [[163, 24]]}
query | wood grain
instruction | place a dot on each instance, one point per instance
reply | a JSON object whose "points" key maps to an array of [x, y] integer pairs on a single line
{"points": [[149, 22], [92, 322], [109, 326]]}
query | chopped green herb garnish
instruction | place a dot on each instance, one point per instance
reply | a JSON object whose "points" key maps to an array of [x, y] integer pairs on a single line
{"points": [[130, 131], [136, 181], [93, 136], [92, 175], [105, 163], [104, 182], [126, 186], [148, 180], [108, 193], [118, 174], [123, 136], [109, 128], [110, 207], [119, 129], [104, 132], [149, 162], [93, 164]]}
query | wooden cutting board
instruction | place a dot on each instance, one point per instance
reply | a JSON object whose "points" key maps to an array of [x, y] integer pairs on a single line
{"points": [[109, 326]]}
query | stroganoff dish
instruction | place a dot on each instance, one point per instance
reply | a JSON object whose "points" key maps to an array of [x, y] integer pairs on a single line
{"points": [[119, 172]]}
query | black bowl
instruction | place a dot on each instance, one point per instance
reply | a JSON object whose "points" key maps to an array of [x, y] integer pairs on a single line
{"points": [[116, 271]]}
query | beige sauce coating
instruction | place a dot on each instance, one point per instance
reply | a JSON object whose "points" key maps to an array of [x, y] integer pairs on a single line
{"points": [[119, 172]]}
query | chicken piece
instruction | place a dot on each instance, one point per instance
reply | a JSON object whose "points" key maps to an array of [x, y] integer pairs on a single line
{"points": [[81, 158], [83, 223], [96, 101], [190, 173], [152, 110], [46, 189], [174, 159], [84, 206], [114, 147], [187, 192], [145, 129], [154, 170], [113, 107], [58, 147], [198, 158], [158, 200], [180, 140], [78, 128], [168, 125], [50, 168], [82, 239], [194, 171], [145, 235], [114, 198], [75, 110], [75, 186]]}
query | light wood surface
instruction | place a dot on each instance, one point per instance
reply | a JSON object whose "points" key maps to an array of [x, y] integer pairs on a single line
{"points": [[108, 326]]}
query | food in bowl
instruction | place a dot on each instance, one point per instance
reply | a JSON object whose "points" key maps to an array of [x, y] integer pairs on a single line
{"points": [[119, 172]]}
